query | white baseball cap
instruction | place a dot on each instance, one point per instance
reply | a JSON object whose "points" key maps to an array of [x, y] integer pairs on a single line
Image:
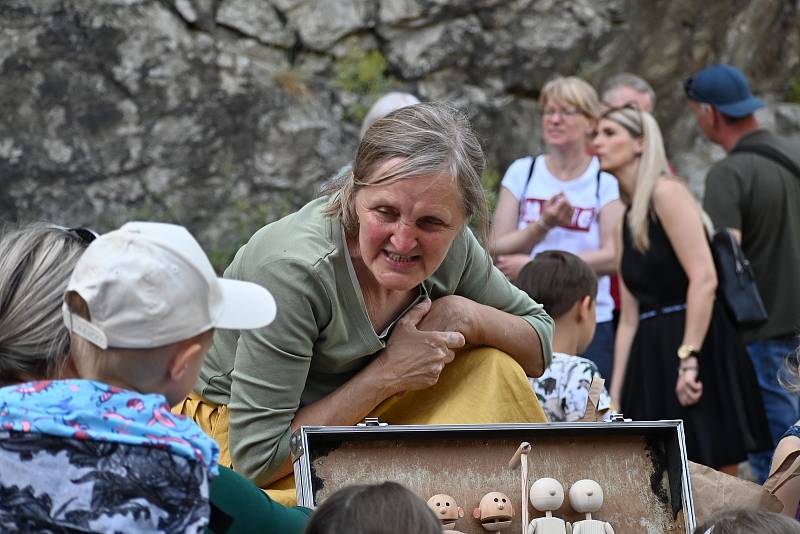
{"points": [[150, 284]]}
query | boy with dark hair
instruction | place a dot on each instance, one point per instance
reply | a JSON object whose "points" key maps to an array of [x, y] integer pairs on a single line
{"points": [[566, 286], [104, 453]]}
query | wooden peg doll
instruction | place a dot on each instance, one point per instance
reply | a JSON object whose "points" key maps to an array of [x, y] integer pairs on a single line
{"points": [[446, 509], [547, 495], [495, 512], [586, 497]]}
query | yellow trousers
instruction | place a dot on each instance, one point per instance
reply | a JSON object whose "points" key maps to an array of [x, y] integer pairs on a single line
{"points": [[480, 386]]}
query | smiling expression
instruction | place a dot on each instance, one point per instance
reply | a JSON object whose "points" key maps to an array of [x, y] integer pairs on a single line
{"points": [[405, 229]]}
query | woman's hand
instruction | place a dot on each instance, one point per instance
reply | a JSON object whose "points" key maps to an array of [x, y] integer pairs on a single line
{"points": [[688, 388], [413, 359], [512, 264], [557, 211], [453, 313]]}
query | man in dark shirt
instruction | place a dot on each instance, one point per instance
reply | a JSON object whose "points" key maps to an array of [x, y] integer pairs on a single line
{"points": [[758, 199]]}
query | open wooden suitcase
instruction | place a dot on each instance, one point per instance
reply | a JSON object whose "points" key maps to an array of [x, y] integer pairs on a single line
{"points": [[641, 467]]}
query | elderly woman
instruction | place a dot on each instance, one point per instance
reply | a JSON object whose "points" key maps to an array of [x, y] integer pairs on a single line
{"points": [[36, 262], [561, 200], [676, 351], [378, 283]]}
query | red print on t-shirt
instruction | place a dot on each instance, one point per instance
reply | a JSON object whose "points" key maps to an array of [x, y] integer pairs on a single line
{"points": [[581, 217]]}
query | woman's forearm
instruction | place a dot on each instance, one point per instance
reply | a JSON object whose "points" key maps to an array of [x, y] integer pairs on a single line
{"points": [[622, 347], [699, 306], [519, 241], [347, 405], [602, 261], [512, 335]]}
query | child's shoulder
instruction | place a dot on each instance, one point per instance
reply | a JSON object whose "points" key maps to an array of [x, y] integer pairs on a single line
{"points": [[571, 362]]}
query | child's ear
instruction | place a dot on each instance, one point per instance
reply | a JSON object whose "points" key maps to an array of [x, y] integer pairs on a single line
{"points": [[585, 308], [182, 358]]}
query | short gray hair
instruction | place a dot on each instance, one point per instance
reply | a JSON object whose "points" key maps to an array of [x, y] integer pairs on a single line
{"points": [[626, 79], [36, 262], [432, 139]]}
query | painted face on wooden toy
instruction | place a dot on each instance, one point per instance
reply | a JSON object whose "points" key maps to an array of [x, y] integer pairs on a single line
{"points": [[446, 509], [495, 512]]}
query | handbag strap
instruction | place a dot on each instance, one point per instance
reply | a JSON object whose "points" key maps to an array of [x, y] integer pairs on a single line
{"points": [[770, 153], [524, 195]]}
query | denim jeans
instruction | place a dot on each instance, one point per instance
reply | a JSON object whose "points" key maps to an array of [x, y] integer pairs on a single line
{"points": [[601, 350], [782, 407]]}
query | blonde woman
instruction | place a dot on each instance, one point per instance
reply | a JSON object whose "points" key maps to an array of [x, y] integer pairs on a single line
{"points": [[676, 354], [561, 200]]}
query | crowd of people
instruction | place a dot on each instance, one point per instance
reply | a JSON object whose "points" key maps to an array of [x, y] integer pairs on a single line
{"points": [[167, 395]]}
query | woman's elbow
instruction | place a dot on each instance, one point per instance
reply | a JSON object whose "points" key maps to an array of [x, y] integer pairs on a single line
{"points": [[705, 282]]}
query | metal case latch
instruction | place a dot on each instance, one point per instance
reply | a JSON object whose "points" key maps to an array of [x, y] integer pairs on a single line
{"points": [[371, 421]]}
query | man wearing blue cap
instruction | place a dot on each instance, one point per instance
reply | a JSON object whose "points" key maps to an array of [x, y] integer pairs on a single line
{"points": [[755, 192]]}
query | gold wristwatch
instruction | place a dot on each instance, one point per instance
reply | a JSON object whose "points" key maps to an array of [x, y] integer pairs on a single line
{"points": [[687, 351]]}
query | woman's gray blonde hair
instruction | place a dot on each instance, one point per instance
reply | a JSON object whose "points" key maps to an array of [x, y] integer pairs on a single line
{"points": [[571, 91], [431, 139], [36, 262]]}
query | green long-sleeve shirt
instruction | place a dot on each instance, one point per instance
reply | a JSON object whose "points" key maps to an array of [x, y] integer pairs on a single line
{"points": [[322, 335]]}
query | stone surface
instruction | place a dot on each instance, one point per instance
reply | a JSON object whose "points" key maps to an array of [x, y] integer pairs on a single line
{"points": [[226, 114]]}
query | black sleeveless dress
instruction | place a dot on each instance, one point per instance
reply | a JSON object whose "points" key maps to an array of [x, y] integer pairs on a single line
{"points": [[729, 420]]}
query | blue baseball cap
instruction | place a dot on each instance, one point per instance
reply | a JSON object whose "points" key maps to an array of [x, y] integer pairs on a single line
{"points": [[725, 88]]}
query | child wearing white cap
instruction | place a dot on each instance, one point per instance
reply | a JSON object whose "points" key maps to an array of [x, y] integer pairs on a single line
{"points": [[104, 453]]}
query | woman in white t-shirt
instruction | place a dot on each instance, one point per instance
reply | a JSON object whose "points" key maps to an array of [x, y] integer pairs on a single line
{"points": [[562, 201]]}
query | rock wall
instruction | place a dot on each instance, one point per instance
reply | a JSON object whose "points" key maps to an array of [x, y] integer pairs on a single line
{"points": [[225, 114]]}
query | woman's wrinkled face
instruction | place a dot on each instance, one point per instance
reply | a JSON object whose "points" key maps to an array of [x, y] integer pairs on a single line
{"points": [[615, 146], [564, 124], [406, 227]]}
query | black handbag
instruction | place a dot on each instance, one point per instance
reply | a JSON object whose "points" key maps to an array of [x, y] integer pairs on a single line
{"points": [[737, 284]]}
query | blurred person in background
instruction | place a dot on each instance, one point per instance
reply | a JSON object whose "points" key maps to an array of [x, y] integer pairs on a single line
{"points": [[677, 354], [561, 200]]}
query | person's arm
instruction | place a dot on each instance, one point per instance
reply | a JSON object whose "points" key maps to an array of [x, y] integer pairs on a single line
{"points": [[723, 198], [413, 359], [505, 238], [680, 217], [491, 311], [239, 506], [626, 330], [604, 260]]}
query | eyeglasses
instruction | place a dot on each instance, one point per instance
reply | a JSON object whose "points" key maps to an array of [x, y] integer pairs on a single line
{"points": [[564, 112], [87, 235]]}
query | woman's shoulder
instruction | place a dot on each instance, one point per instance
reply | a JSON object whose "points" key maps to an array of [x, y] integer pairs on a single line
{"points": [[668, 190], [304, 239]]}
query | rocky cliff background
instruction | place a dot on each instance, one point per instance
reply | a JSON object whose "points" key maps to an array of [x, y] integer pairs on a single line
{"points": [[226, 114]]}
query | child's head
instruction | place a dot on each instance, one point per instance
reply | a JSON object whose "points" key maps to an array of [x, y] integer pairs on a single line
{"points": [[142, 305], [749, 522], [387, 508], [566, 286]]}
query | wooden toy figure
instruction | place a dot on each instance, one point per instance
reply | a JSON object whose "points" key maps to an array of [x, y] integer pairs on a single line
{"points": [[547, 495], [446, 509], [495, 512], [586, 496]]}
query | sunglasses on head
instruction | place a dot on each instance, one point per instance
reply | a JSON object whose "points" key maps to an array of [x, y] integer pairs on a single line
{"points": [[87, 235], [689, 90]]}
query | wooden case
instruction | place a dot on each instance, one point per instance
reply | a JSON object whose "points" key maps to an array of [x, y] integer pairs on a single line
{"points": [[641, 467]]}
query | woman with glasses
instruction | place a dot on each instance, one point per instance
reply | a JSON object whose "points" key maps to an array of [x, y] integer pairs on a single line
{"points": [[561, 200], [676, 354]]}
